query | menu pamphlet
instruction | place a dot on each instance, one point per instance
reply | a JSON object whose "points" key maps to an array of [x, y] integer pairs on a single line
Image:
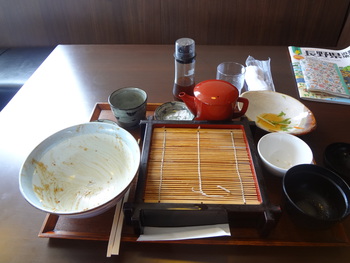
{"points": [[322, 74]]}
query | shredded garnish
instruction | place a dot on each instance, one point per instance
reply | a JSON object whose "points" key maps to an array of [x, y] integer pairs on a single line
{"points": [[282, 124]]}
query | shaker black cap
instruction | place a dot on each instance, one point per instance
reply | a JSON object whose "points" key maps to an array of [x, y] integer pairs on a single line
{"points": [[185, 49]]}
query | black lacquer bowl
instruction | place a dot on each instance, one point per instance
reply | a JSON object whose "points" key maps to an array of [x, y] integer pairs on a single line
{"points": [[337, 159], [315, 197]]}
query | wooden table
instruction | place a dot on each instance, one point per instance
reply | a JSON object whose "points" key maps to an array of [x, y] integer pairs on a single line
{"points": [[64, 91]]}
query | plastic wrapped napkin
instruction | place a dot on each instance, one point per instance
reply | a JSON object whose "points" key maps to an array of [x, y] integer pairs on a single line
{"points": [[258, 74]]}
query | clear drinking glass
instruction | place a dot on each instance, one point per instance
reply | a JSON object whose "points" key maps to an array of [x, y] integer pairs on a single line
{"points": [[233, 73]]}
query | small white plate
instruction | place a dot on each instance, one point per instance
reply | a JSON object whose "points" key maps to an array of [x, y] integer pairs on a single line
{"points": [[173, 110], [278, 112]]}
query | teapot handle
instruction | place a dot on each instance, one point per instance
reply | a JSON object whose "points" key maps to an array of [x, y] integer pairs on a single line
{"points": [[244, 108]]}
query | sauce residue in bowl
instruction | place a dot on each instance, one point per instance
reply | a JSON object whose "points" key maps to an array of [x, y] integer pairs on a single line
{"points": [[274, 122]]}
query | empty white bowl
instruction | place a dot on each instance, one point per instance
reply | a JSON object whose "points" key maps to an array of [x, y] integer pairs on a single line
{"points": [[281, 151]]}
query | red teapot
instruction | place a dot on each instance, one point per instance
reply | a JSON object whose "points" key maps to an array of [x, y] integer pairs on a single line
{"points": [[214, 100]]}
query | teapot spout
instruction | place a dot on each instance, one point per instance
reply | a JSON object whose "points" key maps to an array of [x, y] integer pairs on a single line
{"points": [[189, 101]]}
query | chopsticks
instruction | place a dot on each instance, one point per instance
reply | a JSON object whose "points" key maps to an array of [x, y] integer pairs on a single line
{"points": [[116, 230], [117, 226]]}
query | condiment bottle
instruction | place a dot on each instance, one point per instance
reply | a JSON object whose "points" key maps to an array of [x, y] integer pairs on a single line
{"points": [[184, 67]]}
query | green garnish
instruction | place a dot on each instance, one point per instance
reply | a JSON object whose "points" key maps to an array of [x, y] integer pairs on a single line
{"points": [[285, 128], [282, 123], [266, 120]]}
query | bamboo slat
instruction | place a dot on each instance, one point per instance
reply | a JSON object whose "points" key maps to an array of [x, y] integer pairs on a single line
{"points": [[195, 165]]}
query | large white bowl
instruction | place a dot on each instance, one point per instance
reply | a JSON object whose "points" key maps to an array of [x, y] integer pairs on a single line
{"points": [[261, 102], [80, 171], [281, 151]]}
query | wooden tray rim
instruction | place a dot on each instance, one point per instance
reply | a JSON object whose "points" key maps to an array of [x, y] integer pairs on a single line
{"points": [[48, 227]]}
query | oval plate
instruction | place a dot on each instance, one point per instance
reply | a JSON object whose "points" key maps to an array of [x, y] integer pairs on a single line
{"points": [[297, 118]]}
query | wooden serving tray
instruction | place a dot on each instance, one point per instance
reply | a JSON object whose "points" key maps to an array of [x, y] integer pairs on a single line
{"points": [[284, 234]]}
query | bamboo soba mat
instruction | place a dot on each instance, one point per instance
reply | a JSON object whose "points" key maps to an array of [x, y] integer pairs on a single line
{"points": [[195, 165]]}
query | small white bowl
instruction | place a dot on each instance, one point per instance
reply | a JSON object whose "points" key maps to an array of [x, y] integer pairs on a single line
{"points": [[281, 151]]}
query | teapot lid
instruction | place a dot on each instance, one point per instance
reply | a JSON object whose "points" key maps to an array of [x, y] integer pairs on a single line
{"points": [[215, 92]]}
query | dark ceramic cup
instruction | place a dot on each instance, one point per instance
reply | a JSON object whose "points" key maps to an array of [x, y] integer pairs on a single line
{"points": [[129, 106]]}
